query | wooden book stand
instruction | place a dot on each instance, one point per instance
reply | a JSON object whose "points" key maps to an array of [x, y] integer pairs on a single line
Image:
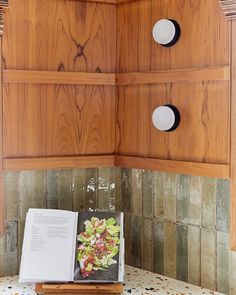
{"points": [[85, 289]]}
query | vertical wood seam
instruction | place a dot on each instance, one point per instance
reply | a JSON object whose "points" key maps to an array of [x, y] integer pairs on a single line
{"points": [[232, 145], [1, 145]]}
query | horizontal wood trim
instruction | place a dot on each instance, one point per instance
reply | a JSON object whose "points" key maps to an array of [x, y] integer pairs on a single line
{"points": [[58, 163], [170, 76], [125, 1], [110, 1], [101, 1], [47, 77], [79, 288], [6, 4], [192, 168]]}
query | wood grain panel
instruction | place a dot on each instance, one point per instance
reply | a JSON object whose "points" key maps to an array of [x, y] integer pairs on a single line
{"points": [[58, 163], [58, 120], [110, 1], [192, 168], [203, 43], [60, 35], [46, 77], [169, 76], [233, 143], [203, 134], [1, 149]]}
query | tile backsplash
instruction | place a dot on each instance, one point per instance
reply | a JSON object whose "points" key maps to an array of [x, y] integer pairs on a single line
{"points": [[68, 189], [176, 225]]}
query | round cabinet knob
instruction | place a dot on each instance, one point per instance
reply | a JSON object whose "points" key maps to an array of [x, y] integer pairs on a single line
{"points": [[166, 32], [166, 118]]}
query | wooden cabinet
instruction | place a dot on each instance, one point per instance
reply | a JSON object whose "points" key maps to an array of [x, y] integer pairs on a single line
{"points": [[57, 39], [82, 78], [207, 132], [204, 132]]}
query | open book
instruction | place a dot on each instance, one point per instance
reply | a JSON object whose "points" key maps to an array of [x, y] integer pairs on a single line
{"points": [[64, 246]]}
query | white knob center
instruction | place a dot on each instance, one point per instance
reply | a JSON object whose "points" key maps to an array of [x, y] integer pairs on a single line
{"points": [[164, 31], [163, 118]]}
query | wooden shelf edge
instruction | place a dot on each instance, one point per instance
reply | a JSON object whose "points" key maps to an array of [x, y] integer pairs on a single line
{"points": [[116, 2], [53, 77], [171, 76], [58, 163], [115, 288], [125, 1], [101, 1], [119, 79], [192, 168]]}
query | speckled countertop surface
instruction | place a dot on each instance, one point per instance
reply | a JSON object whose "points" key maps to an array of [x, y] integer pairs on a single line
{"points": [[136, 282]]}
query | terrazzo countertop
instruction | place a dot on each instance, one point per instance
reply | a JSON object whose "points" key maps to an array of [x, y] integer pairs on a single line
{"points": [[136, 282]]}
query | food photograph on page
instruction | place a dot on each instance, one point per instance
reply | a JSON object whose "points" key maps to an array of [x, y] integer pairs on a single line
{"points": [[98, 247]]}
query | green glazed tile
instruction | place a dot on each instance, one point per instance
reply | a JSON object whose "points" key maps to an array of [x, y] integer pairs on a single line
{"points": [[118, 189], [194, 255], [195, 200], [208, 259], [78, 189], [11, 196], [127, 235], [170, 191], [65, 198], [136, 197], [39, 189], [158, 246], [21, 228], [222, 205], [126, 189], [182, 252], [11, 249], [209, 202], [170, 249], [106, 189], [183, 199], [158, 194], [147, 193], [52, 180], [136, 224], [91, 183], [147, 244], [223, 262], [232, 272], [32, 191]]}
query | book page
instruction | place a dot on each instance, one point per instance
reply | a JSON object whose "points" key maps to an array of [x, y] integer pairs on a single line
{"points": [[49, 246], [100, 252]]}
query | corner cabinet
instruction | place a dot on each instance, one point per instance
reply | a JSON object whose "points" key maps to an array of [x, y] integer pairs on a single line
{"points": [[79, 88]]}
